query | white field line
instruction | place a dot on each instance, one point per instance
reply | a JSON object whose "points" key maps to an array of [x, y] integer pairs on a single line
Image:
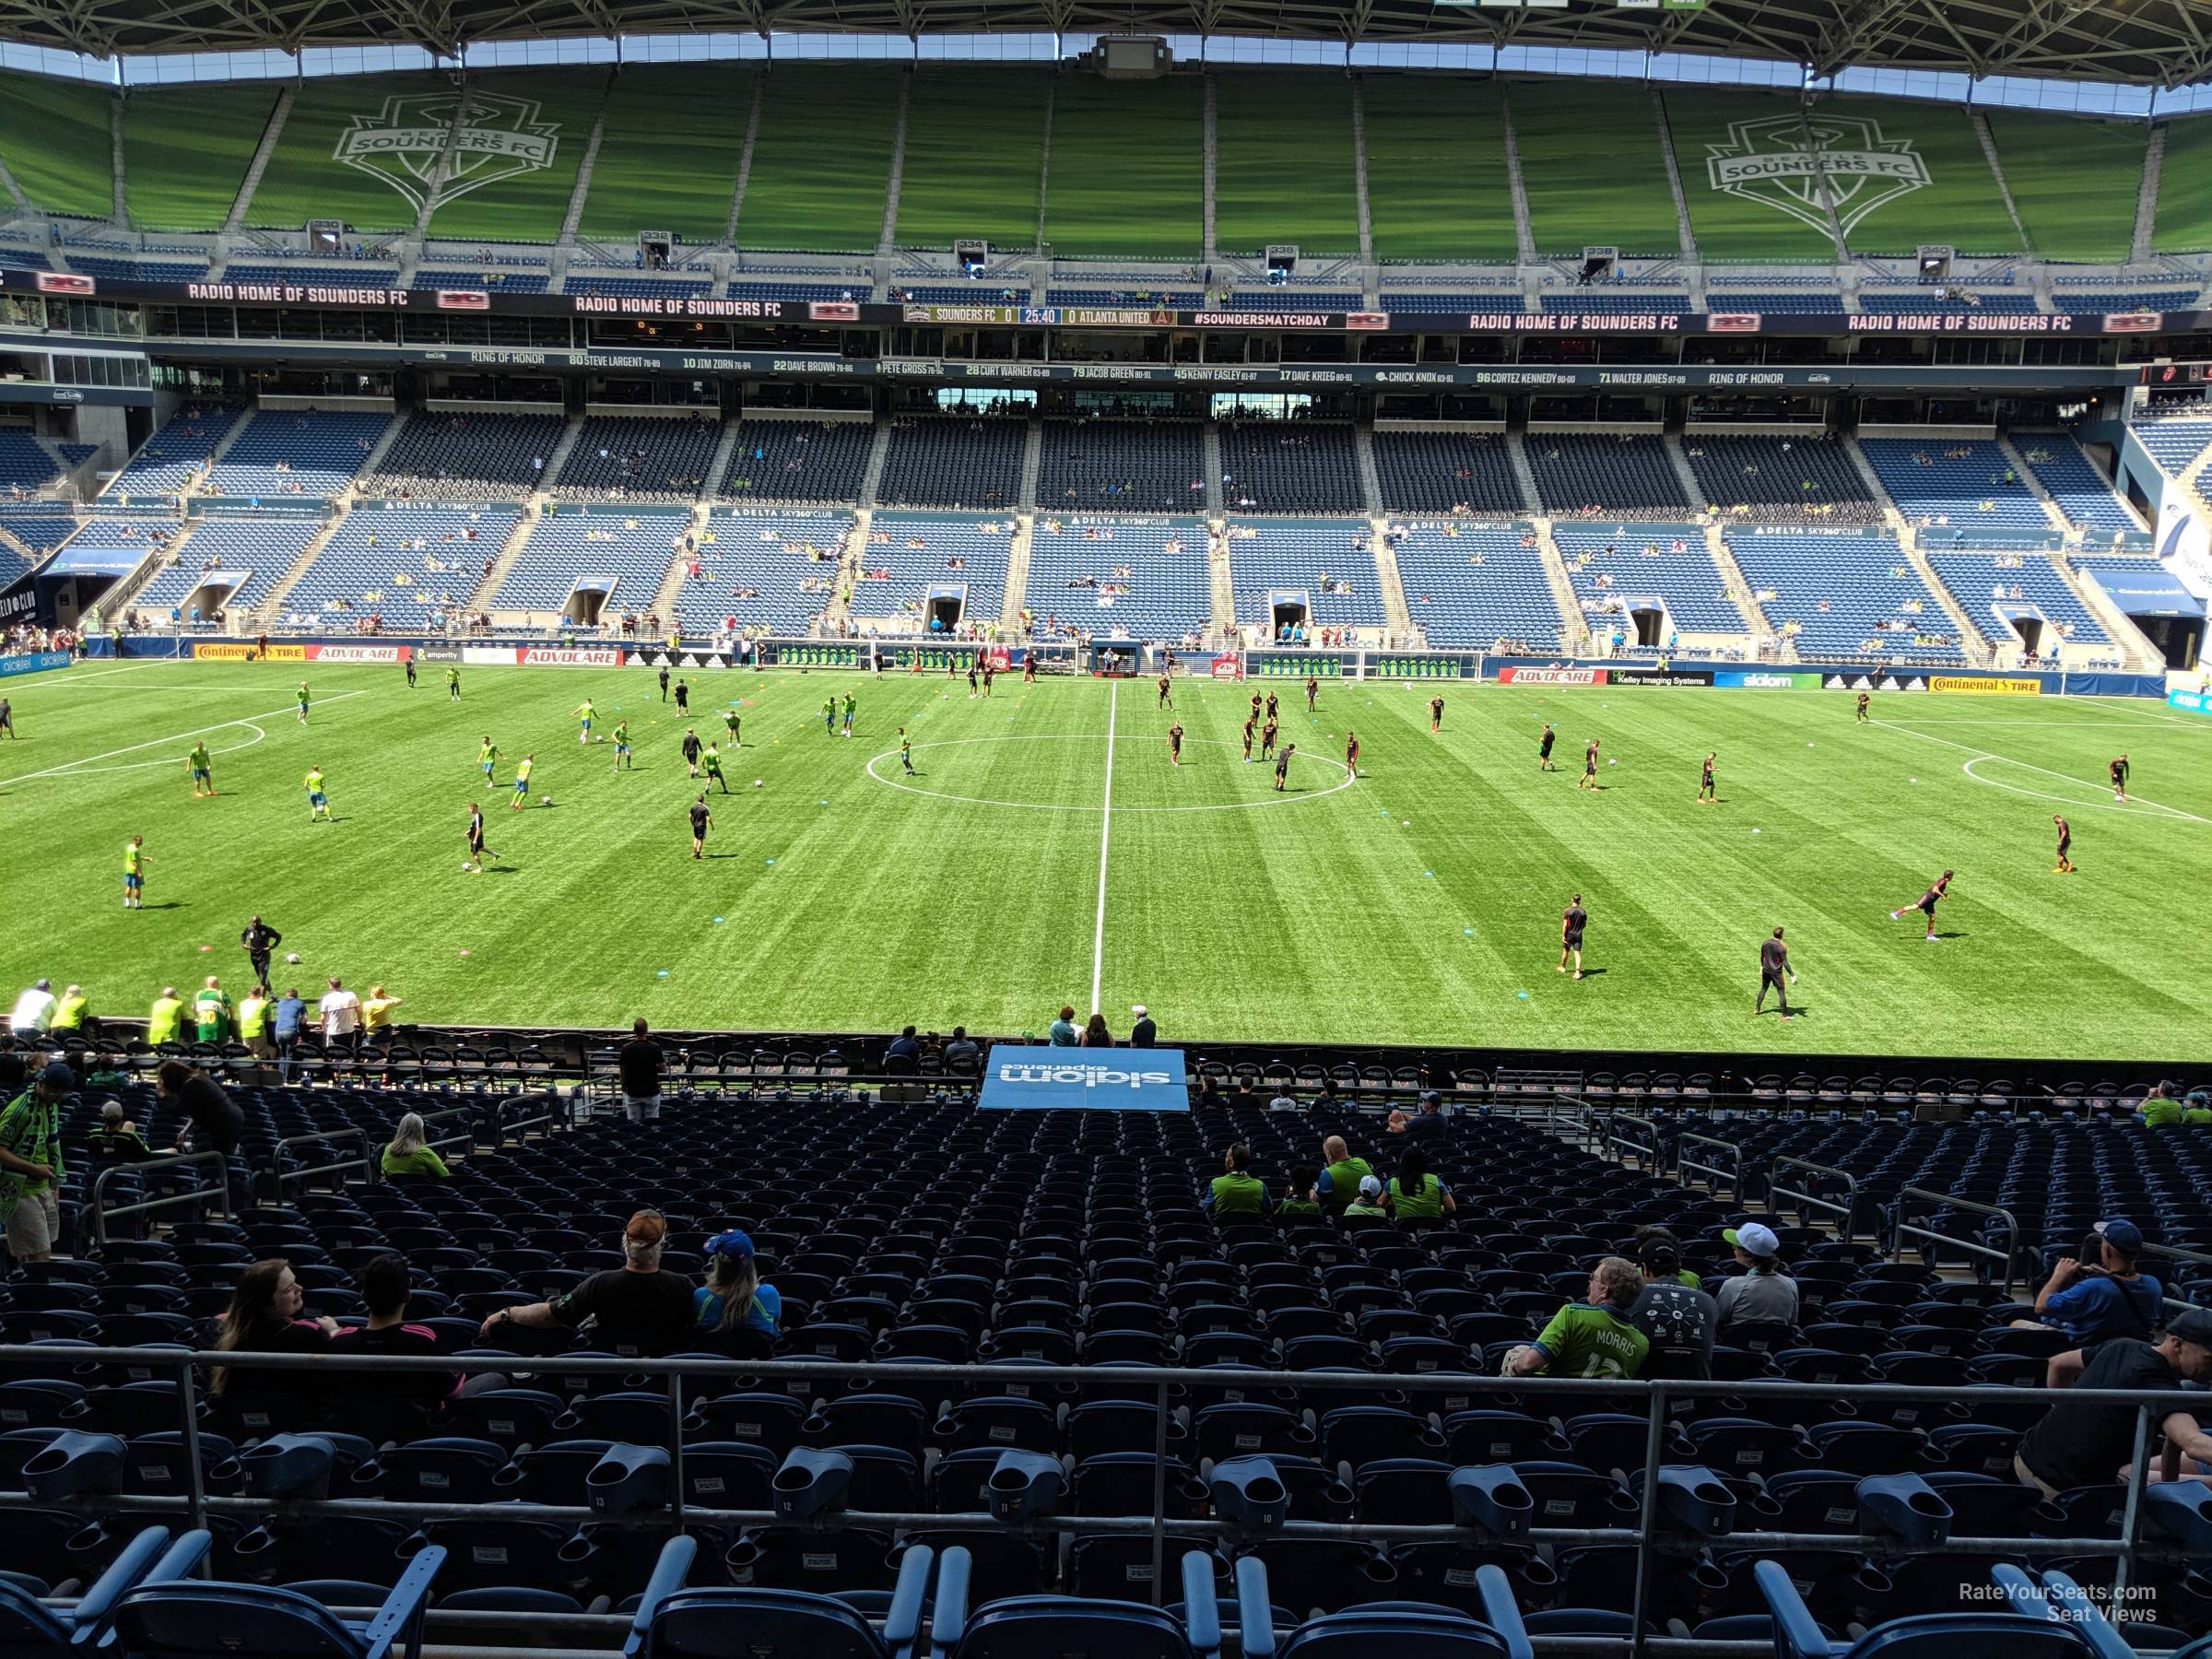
{"points": [[220, 725], [1980, 754], [1098, 936]]}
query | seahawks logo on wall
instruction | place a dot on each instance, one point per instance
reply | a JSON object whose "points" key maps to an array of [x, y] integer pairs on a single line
{"points": [[1768, 161], [498, 138]]}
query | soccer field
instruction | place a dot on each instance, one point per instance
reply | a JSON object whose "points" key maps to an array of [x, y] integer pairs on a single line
{"points": [[1047, 852]]}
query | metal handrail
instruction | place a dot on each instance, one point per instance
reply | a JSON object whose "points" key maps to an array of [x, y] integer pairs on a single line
{"points": [[1809, 1200], [279, 1177], [101, 1212], [1650, 1543], [2007, 1257], [470, 1117], [1611, 1140], [2176, 1254], [1714, 1174]]}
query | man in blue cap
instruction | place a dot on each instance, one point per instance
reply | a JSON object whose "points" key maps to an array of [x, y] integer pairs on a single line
{"points": [[31, 1165], [2096, 1297]]}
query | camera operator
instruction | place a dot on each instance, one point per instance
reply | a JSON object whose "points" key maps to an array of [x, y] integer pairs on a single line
{"points": [[2096, 1297]]}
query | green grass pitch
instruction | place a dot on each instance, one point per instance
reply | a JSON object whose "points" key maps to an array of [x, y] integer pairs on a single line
{"points": [[1416, 902]]}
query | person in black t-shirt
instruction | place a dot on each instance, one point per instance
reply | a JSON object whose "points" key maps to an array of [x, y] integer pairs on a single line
{"points": [[2065, 866], [701, 821], [635, 1309], [1709, 793], [639, 1061], [2119, 772], [1774, 965], [213, 1122], [2081, 1443], [385, 1286], [1679, 1318], [1544, 748]]}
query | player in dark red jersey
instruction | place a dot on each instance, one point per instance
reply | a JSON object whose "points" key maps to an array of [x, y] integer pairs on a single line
{"points": [[1166, 696], [1248, 741], [1312, 691], [1255, 707], [1436, 715], [1589, 777], [1708, 790], [1773, 967], [2118, 770], [988, 672], [1175, 743], [1927, 902], [1267, 736], [1271, 708], [1544, 748], [1282, 764], [1864, 700], [1572, 919], [1028, 668], [1351, 753], [2065, 846]]}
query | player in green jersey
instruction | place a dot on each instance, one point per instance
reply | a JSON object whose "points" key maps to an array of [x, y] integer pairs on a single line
{"points": [[731, 721], [302, 702], [522, 783], [906, 751], [584, 714], [133, 873], [452, 685], [622, 746], [830, 715], [202, 769], [849, 705], [711, 763], [318, 803]]}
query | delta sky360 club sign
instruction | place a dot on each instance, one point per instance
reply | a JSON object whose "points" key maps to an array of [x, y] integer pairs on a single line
{"points": [[1769, 161], [498, 138]]}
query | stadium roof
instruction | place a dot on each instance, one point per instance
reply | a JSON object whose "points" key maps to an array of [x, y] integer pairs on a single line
{"points": [[2144, 42]]}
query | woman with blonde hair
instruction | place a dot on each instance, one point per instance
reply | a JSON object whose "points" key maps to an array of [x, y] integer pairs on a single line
{"points": [[734, 1311], [410, 1152]]}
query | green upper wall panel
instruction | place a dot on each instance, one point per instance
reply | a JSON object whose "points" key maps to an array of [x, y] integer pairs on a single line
{"points": [[670, 143], [1436, 178], [519, 150], [1284, 163], [1590, 164], [2076, 183], [187, 150], [361, 148], [974, 158], [2184, 216], [1903, 175], [55, 140], [1128, 175], [1746, 178], [821, 158]]}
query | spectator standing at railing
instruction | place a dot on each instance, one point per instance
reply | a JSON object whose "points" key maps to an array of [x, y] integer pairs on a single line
{"points": [[284, 1029], [31, 1165], [638, 1064], [376, 1016]]}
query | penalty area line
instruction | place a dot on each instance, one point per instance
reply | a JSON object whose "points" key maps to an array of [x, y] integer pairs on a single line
{"points": [[1982, 754], [220, 725]]}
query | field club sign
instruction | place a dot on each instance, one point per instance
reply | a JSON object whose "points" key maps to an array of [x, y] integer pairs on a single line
{"points": [[494, 138], [1781, 161]]}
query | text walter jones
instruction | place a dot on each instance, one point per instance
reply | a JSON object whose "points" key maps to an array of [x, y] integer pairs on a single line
{"points": [[1089, 1076]]}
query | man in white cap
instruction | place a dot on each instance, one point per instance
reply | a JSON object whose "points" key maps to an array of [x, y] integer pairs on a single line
{"points": [[1369, 1201], [1144, 1033], [34, 1008], [1763, 1293]]}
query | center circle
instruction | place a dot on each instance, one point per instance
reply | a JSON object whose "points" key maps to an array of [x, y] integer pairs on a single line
{"points": [[1270, 799]]}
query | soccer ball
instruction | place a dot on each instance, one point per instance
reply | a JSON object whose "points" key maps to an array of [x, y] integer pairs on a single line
{"points": [[544, 800], [291, 956], [758, 781], [464, 869]]}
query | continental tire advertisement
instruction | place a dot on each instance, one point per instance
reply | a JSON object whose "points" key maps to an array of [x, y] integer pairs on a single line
{"points": [[1978, 686], [245, 651]]}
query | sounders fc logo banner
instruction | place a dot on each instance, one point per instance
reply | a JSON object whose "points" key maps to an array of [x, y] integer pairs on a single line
{"points": [[498, 138], [1769, 161]]}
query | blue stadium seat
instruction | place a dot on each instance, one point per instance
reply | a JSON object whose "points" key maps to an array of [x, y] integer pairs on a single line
{"points": [[28, 1626], [194, 1619], [2033, 1630], [1019, 1627]]}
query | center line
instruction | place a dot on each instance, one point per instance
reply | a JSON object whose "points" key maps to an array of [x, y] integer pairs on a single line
{"points": [[1098, 936]]}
